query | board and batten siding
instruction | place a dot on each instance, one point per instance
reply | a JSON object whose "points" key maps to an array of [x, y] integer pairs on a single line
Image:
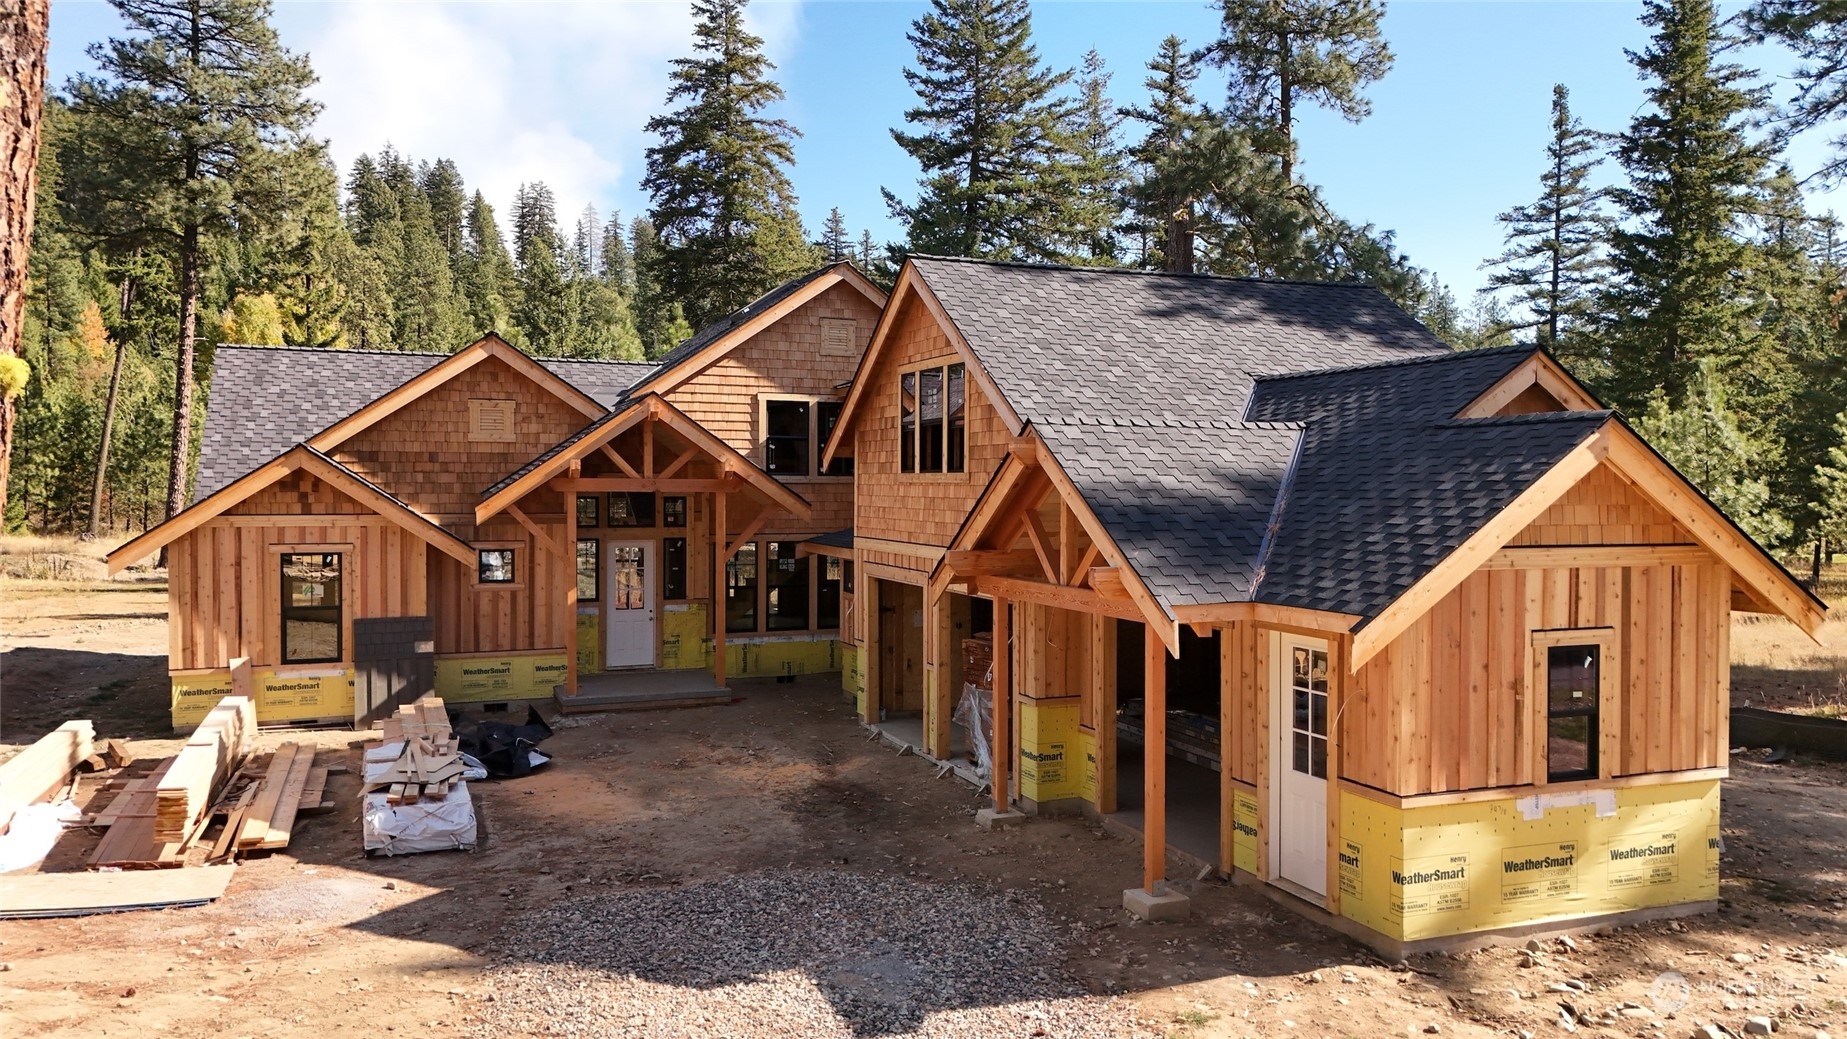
{"points": [[923, 509], [529, 615], [1450, 704], [791, 358], [225, 578]]}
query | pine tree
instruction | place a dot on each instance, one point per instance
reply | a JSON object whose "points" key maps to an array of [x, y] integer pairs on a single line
{"points": [[1551, 263], [538, 275], [1692, 172], [1168, 185], [659, 320], [193, 102], [1816, 31], [1097, 172], [722, 204], [990, 135], [441, 184], [485, 283], [1281, 54], [835, 246], [618, 266]]}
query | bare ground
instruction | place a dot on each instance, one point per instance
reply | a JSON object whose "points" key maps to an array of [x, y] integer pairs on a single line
{"points": [[319, 940]]}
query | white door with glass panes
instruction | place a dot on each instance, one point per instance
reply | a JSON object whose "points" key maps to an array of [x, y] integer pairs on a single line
{"points": [[629, 606], [1299, 762]]}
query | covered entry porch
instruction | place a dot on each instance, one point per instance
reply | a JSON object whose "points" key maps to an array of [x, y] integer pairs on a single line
{"points": [[652, 511]]}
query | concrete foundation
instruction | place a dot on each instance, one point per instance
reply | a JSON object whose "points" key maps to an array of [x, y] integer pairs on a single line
{"points": [[1162, 904], [989, 819]]}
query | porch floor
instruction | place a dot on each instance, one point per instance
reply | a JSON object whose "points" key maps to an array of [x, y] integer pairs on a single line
{"points": [[1192, 803], [641, 690]]}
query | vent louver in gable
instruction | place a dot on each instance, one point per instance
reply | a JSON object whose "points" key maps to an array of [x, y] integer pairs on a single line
{"points": [[490, 421], [838, 335]]}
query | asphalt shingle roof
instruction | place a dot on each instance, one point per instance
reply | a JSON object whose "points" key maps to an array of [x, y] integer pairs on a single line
{"points": [[1091, 345], [842, 539], [1290, 443], [266, 399]]}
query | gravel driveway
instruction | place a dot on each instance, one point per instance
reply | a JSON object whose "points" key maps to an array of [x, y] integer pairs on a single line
{"points": [[794, 953]]}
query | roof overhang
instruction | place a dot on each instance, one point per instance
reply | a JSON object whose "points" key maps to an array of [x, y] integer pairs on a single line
{"points": [[1097, 580], [841, 273], [912, 286], [1616, 445], [302, 458], [648, 408]]}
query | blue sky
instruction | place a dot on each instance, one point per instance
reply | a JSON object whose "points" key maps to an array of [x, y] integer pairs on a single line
{"points": [[559, 91]]}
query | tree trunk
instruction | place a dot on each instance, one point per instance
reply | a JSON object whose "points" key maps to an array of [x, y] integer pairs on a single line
{"points": [[102, 452], [22, 96], [182, 371], [1179, 244], [1815, 566]]}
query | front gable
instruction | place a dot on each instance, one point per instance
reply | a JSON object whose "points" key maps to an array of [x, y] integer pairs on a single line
{"points": [[440, 450]]}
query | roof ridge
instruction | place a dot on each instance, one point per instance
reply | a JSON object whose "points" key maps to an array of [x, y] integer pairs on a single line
{"points": [[1531, 418], [1220, 424], [284, 347], [1179, 275], [1399, 362]]}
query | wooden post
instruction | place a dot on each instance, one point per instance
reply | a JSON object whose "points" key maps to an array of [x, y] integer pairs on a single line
{"points": [[1154, 761], [719, 535], [939, 679], [1003, 705], [872, 648], [1103, 693], [570, 590]]}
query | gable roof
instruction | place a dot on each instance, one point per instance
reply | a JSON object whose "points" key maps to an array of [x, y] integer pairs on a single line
{"points": [[298, 457], [1086, 344], [265, 399], [714, 340]]}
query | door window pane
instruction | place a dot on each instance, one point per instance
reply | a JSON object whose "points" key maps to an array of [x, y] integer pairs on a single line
{"points": [[741, 590], [1308, 701], [628, 578], [1573, 684], [787, 608], [785, 441], [312, 623], [589, 568]]}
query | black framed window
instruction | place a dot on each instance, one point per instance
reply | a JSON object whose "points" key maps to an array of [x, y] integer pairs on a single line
{"points": [[313, 621], [930, 416], [588, 506], [786, 599], [846, 575], [1573, 685], [631, 509], [589, 567], [785, 437], [673, 568], [826, 417], [673, 511], [907, 422], [494, 565], [741, 589], [827, 593]]}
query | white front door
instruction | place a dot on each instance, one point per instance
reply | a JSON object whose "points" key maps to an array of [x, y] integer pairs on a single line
{"points": [[629, 604], [1299, 763]]}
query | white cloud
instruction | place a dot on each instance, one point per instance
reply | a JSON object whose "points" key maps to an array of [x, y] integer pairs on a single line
{"points": [[513, 92]]}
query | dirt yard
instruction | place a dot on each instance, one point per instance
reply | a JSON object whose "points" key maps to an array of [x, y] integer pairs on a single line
{"points": [[670, 873]]}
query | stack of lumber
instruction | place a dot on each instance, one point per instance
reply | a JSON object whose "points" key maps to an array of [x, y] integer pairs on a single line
{"points": [[263, 817], [417, 760], [196, 774], [43, 769], [129, 842], [38, 895]]}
